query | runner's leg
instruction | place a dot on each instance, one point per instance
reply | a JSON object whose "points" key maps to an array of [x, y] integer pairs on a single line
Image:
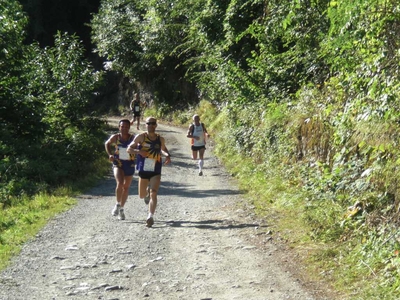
{"points": [[201, 159], [194, 155], [154, 186], [125, 189], [119, 178], [143, 184]]}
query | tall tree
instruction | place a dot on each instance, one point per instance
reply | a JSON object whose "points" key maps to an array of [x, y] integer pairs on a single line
{"points": [[138, 39]]}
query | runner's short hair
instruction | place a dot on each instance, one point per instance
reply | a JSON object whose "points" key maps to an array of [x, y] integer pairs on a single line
{"points": [[124, 121]]}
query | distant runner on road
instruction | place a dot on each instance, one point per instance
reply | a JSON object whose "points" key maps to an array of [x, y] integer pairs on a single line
{"points": [[135, 107], [198, 133], [148, 147]]}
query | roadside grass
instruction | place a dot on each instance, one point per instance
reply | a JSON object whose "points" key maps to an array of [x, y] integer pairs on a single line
{"points": [[362, 267], [21, 222], [281, 204]]}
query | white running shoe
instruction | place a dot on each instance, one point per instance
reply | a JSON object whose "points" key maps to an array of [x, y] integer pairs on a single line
{"points": [[115, 210], [121, 214], [147, 197]]}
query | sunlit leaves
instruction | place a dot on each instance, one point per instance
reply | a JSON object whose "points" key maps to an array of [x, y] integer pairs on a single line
{"points": [[140, 37]]}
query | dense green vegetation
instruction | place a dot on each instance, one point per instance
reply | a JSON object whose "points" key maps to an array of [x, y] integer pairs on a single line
{"points": [[307, 91], [49, 134], [51, 138], [302, 98]]}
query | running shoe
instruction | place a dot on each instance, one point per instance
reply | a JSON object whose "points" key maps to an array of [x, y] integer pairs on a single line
{"points": [[201, 173], [121, 214], [116, 209], [147, 197], [149, 222]]}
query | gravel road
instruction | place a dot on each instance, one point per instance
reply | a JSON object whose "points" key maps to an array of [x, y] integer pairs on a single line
{"points": [[205, 244]]}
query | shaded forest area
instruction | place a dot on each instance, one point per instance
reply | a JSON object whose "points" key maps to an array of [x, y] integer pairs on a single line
{"points": [[47, 17]]}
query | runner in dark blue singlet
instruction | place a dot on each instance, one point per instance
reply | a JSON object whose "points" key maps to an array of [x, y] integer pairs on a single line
{"points": [[123, 165]]}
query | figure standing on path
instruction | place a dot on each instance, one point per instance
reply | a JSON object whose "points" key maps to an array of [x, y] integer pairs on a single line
{"points": [[136, 110], [148, 147], [198, 133], [123, 164]]}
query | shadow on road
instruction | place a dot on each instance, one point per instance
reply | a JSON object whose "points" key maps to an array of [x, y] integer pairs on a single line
{"points": [[205, 224], [209, 224], [192, 191], [167, 188]]}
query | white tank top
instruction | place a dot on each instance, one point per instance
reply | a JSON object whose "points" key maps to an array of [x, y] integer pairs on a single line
{"points": [[198, 131]]}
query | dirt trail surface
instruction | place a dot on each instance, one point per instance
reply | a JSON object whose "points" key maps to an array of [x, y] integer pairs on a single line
{"points": [[204, 244]]}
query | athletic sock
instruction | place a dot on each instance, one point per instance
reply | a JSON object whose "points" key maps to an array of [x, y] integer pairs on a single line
{"points": [[201, 164]]}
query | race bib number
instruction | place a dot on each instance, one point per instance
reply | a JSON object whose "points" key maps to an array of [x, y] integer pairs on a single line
{"points": [[137, 108], [149, 165], [123, 155]]}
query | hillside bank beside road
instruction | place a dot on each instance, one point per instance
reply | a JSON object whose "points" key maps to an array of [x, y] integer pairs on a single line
{"points": [[205, 244]]}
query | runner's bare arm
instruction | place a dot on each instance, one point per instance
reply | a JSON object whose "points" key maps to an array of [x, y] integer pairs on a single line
{"points": [[190, 131], [111, 141], [165, 151], [133, 147]]}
